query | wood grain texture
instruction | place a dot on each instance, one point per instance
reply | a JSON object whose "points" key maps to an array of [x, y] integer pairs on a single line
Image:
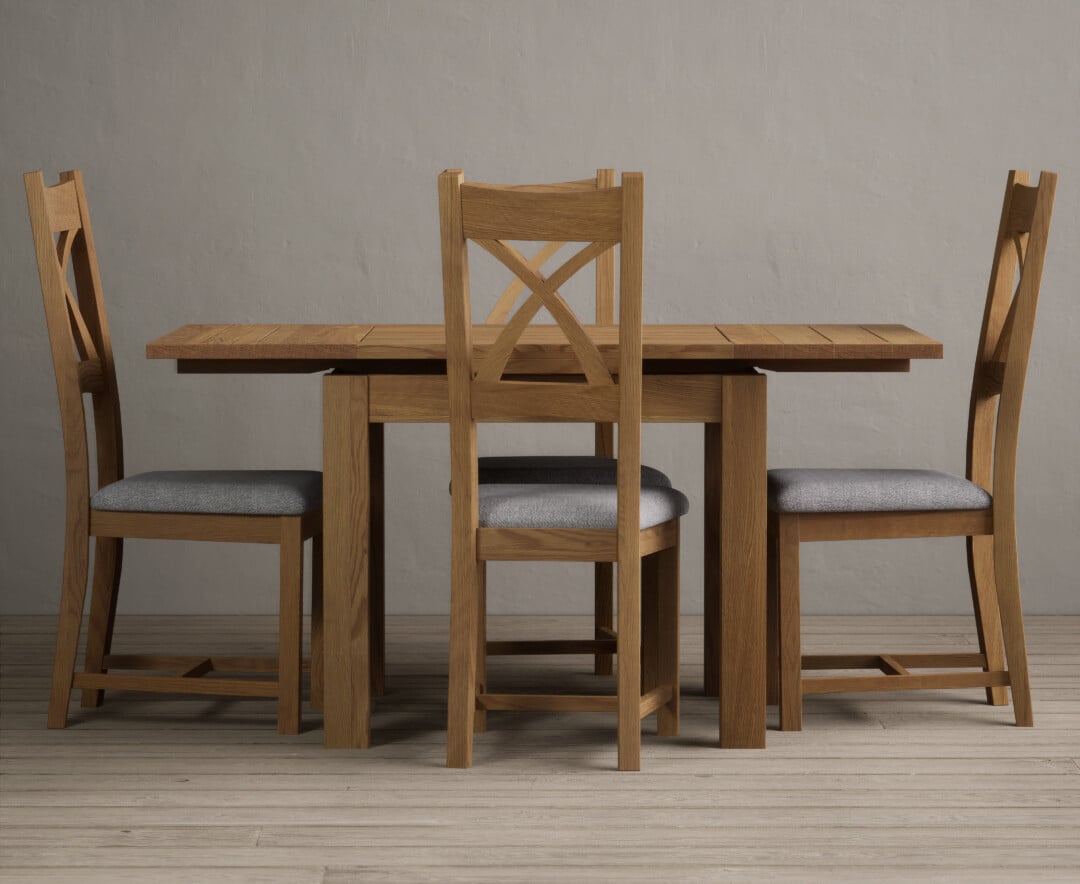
{"points": [[742, 565], [83, 362], [203, 789], [544, 348], [483, 394], [993, 428], [346, 563], [290, 625], [464, 577]]}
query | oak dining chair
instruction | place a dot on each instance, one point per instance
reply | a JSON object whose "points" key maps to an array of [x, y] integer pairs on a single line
{"points": [[618, 523], [280, 507], [596, 469], [808, 505]]}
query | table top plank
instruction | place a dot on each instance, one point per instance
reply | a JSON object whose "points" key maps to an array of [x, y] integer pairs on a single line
{"points": [[259, 341], [544, 347]]}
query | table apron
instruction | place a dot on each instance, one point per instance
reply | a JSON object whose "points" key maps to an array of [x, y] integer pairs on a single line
{"points": [[425, 399]]}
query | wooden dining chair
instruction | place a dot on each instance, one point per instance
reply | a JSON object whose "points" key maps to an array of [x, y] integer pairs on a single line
{"points": [[244, 506], [807, 505], [552, 522], [598, 469]]}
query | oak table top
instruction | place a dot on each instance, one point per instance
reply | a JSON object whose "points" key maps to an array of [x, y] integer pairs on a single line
{"points": [[777, 347]]}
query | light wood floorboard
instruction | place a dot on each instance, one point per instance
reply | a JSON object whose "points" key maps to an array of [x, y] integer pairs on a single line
{"points": [[933, 786]]}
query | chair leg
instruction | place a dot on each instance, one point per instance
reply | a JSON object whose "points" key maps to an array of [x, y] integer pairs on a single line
{"points": [[650, 622], [377, 548], [108, 558], [1007, 574], [667, 716], [317, 680], [788, 619], [480, 715], [629, 670], [72, 598], [772, 624], [290, 626], [603, 613], [461, 700], [980, 557]]}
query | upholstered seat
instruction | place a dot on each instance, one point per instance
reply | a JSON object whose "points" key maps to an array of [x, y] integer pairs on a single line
{"points": [[560, 470], [572, 506], [864, 491], [217, 492]]}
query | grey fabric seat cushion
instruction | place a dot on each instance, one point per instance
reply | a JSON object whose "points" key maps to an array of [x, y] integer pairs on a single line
{"points": [[866, 491], [215, 492], [561, 470], [572, 506]]}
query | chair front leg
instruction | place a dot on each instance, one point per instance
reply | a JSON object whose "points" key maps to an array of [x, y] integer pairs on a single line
{"points": [[108, 558], [377, 567], [790, 626], [650, 622], [603, 613], [629, 669], [772, 622], [290, 626], [317, 664], [480, 715], [667, 716], [461, 700], [980, 556]]}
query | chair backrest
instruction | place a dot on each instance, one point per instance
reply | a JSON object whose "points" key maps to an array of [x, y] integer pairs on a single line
{"points": [[493, 216], [78, 330], [1005, 342], [604, 441]]}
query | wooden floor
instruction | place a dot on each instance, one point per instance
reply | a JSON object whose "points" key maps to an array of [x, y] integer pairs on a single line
{"points": [[915, 787]]}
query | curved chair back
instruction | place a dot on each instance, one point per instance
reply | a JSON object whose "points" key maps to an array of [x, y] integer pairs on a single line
{"points": [[78, 331], [1005, 341], [494, 216]]}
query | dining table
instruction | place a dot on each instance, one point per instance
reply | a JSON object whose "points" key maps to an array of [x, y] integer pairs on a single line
{"points": [[712, 374]]}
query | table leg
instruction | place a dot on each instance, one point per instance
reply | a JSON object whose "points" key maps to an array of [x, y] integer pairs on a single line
{"points": [[742, 561], [346, 514]]}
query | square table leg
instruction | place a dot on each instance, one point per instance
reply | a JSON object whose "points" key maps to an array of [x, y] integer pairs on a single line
{"points": [[736, 524], [346, 563]]}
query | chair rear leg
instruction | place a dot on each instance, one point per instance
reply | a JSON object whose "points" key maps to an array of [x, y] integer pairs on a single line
{"points": [[72, 598], [317, 670], [667, 716], [480, 715], [290, 625], [603, 613], [1007, 580], [108, 558], [980, 557], [788, 619]]}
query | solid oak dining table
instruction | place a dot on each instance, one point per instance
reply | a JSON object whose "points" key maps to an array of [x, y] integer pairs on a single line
{"points": [[709, 374]]}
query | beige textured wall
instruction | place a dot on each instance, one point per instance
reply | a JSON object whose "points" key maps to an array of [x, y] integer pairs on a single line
{"points": [[273, 161]]}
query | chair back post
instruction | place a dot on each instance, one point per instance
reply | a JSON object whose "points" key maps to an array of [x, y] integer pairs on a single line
{"points": [[630, 370], [1015, 347], [78, 329], [459, 371], [1005, 339], [604, 436]]}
